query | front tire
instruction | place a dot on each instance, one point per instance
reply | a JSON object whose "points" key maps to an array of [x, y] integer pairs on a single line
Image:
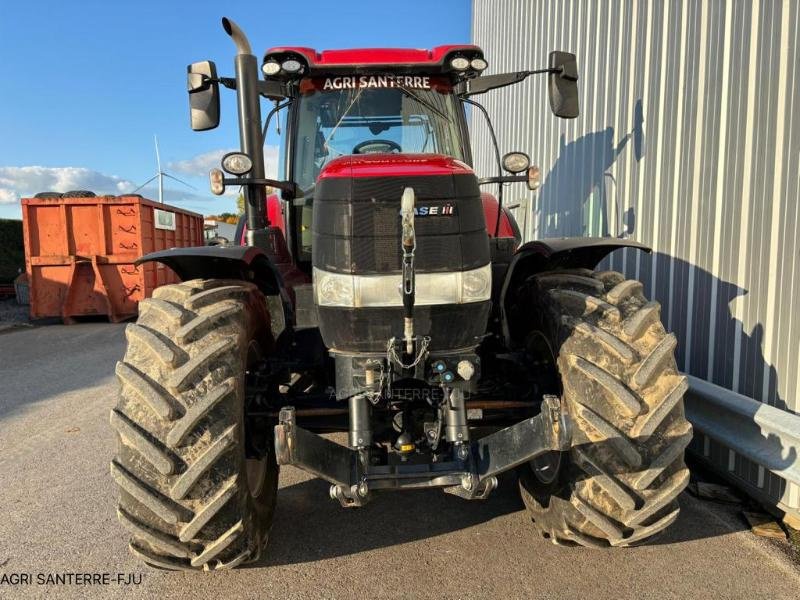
{"points": [[618, 484], [190, 496]]}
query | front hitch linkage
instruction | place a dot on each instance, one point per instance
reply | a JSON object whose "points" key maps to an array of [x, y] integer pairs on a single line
{"points": [[473, 477]]}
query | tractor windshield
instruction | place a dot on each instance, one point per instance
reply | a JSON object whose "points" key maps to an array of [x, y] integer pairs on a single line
{"points": [[367, 114]]}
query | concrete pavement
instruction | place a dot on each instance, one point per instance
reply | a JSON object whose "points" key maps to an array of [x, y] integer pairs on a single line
{"points": [[57, 500]]}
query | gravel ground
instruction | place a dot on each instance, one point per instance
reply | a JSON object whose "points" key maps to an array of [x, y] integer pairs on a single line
{"points": [[12, 314], [58, 517]]}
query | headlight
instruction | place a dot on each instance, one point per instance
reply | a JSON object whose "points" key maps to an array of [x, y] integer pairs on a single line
{"points": [[333, 289], [363, 291], [516, 162], [237, 163], [270, 68], [459, 63], [478, 64], [476, 285], [292, 65]]}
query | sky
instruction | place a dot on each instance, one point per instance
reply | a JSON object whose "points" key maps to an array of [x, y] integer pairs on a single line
{"points": [[87, 84]]}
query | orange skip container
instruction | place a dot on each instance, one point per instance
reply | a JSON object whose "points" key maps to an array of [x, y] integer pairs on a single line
{"points": [[79, 253]]}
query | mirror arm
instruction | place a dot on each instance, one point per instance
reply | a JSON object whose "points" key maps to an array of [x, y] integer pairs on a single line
{"points": [[269, 89], [503, 179], [501, 80], [290, 187]]}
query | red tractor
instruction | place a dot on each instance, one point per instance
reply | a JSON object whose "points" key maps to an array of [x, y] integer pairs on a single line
{"points": [[384, 295]]}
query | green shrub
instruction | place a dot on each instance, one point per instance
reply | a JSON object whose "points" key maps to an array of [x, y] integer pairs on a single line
{"points": [[12, 250]]}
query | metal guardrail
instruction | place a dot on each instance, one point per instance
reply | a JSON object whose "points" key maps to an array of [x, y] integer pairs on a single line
{"points": [[763, 434]]}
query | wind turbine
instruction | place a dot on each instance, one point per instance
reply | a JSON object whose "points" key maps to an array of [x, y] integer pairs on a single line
{"points": [[160, 176]]}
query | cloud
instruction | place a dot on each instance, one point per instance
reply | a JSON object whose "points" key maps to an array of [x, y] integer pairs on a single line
{"points": [[200, 165], [24, 182], [19, 182], [196, 201]]}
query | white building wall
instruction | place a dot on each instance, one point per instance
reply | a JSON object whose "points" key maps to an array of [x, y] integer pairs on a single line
{"points": [[688, 141]]}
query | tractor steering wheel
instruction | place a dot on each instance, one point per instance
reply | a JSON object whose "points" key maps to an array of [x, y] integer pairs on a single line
{"points": [[376, 146]]}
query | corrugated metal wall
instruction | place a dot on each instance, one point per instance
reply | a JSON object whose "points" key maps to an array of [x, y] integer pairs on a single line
{"points": [[689, 141]]}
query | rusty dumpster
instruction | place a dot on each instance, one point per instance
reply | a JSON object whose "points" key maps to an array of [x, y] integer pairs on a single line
{"points": [[80, 253]]}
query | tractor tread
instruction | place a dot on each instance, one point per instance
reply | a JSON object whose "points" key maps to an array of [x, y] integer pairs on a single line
{"points": [[197, 469], [212, 507], [214, 548], [635, 325], [642, 479], [157, 560], [606, 482], [615, 390], [613, 436], [180, 425], [198, 410], [651, 366], [203, 323], [610, 278], [210, 296], [147, 390], [150, 341], [158, 540], [624, 352], [166, 309], [646, 425], [646, 531], [659, 498], [155, 502], [185, 375], [587, 303], [132, 435], [624, 290], [597, 518], [622, 388]]}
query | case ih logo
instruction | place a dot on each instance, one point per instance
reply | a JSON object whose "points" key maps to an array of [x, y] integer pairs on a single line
{"points": [[435, 211]]}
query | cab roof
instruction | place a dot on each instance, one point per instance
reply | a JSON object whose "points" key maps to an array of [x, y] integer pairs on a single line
{"points": [[356, 59]]}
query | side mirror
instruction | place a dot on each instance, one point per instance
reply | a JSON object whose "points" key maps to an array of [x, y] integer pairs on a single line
{"points": [[203, 88], [562, 85]]}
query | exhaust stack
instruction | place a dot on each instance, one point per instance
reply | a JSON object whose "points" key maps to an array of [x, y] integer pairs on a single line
{"points": [[248, 101]]}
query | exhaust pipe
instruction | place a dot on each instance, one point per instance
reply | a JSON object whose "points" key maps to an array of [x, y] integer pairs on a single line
{"points": [[248, 100], [237, 35]]}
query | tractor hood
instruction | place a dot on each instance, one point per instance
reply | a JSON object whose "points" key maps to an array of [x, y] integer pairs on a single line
{"points": [[394, 165], [357, 252]]}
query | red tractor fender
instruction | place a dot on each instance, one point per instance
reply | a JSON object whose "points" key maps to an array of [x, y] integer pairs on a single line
{"points": [[548, 255]]}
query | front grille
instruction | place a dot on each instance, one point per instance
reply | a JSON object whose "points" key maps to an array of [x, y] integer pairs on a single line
{"points": [[356, 224]]}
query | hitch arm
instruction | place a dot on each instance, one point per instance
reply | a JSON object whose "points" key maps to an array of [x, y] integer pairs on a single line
{"points": [[515, 445]]}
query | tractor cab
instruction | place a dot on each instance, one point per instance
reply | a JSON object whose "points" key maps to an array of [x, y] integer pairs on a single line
{"points": [[385, 103]]}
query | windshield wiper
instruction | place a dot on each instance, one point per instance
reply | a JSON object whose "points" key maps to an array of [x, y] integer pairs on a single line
{"points": [[344, 114], [422, 101]]}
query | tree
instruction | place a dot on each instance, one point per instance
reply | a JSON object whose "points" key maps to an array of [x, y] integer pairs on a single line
{"points": [[240, 203]]}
